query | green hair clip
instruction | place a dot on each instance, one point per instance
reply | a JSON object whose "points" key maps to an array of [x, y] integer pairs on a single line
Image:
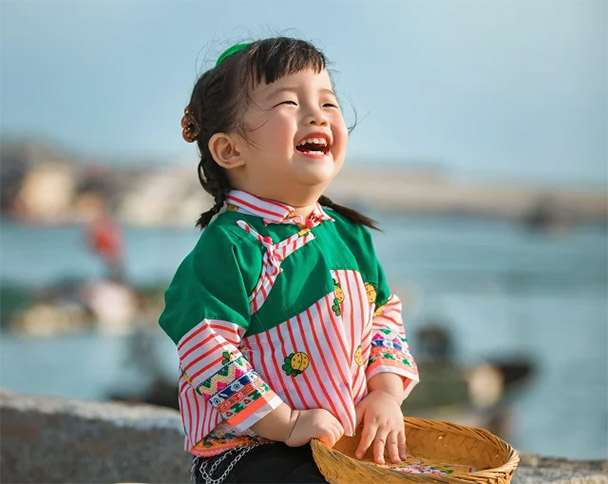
{"points": [[232, 50]]}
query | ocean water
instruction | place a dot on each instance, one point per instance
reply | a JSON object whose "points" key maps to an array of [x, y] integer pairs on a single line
{"points": [[501, 289]]}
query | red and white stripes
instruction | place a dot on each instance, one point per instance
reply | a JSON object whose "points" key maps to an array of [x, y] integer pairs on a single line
{"points": [[327, 381], [317, 359], [266, 209], [271, 211]]}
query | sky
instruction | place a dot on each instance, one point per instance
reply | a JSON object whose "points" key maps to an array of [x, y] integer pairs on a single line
{"points": [[507, 90]]}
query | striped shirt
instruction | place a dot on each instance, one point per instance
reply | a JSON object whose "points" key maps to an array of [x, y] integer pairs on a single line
{"points": [[264, 312]]}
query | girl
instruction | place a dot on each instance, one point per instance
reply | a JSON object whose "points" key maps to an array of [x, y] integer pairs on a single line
{"points": [[285, 327]]}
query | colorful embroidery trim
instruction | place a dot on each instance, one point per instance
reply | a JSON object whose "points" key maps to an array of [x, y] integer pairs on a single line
{"points": [[233, 387]]}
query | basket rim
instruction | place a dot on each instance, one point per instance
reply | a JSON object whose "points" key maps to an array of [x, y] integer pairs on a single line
{"points": [[513, 455], [509, 466]]}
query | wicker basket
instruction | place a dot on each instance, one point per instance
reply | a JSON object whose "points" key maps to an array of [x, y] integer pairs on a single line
{"points": [[493, 459]]}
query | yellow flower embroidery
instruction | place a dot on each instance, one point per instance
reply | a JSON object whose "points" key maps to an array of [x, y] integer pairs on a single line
{"points": [[371, 292], [296, 363], [339, 299], [359, 356]]}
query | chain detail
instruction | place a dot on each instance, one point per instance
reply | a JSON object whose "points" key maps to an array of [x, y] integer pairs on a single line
{"points": [[208, 475], [193, 470]]}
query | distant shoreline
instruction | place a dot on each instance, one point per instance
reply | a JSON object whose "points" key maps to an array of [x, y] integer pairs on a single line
{"points": [[41, 186]]}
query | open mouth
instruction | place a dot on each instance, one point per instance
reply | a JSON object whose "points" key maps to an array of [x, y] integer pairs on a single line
{"points": [[313, 146]]}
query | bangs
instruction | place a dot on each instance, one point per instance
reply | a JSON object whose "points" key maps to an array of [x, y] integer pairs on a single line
{"points": [[271, 59]]}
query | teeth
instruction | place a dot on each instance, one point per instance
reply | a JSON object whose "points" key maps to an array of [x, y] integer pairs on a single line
{"points": [[317, 141]]}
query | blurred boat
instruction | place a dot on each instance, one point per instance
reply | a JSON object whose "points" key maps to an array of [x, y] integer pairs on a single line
{"points": [[477, 396]]}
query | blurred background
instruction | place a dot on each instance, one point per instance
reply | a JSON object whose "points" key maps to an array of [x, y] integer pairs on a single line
{"points": [[480, 147]]}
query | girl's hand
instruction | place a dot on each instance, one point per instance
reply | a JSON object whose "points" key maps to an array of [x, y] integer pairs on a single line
{"points": [[382, 425], [316, 423]]}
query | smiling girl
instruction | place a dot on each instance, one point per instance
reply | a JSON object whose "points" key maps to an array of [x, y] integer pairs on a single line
{"points": [[285, 326]]}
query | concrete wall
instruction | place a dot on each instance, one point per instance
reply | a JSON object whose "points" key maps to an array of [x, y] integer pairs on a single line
{"points": [[47, 439]]}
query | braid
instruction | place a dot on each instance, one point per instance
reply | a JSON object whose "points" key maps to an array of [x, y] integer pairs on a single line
{"points": [[349, 213], [217, 185]]}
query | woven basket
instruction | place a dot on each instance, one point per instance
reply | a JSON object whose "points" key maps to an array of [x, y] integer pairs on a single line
{"points": [[492, 458]]}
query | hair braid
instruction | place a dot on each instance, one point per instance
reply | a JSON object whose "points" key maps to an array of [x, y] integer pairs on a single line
{"points": [[349, 213], [215, 182]]}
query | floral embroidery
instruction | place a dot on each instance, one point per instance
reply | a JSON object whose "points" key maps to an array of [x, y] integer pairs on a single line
{"points": [[379, 311], [413, 465], [339, 298], [395, 348], [303, 232], [218, 441], [227, 357], [296, 363], [370, 289], [234, 386], [359, 356]]}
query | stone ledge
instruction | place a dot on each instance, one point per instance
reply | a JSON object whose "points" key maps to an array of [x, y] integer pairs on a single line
{"points": [[49, 439]]}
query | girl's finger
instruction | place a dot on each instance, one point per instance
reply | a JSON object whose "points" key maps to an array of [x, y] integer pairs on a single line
{"points": [[329, 439], [401, 444], [338, 425], [335, 432], [367, 437], [340, 431], [392, 445], [380, 441]]}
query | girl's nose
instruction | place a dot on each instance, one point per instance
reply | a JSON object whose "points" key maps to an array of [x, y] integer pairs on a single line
{"points": [[316, 117]]}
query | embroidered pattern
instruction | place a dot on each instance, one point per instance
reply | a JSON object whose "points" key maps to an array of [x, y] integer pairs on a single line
{"points": [[224, 438], [359, 356], [227, 357], [387, 345], [234, 386], [339, 298], [370, 290], [417, 465], [296, 363]]}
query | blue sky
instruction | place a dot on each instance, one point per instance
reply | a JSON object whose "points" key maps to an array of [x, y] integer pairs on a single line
{"points": [[491, 89]]}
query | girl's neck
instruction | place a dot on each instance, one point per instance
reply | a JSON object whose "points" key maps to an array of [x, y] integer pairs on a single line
{"points": [[305, 211]]}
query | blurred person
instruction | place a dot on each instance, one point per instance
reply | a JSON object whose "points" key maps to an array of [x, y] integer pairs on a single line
{"points": [[284, 323], [104, 237]]}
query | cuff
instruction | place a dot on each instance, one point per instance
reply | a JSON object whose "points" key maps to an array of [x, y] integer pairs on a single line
{"points": [[392, 356], [239, 394]]}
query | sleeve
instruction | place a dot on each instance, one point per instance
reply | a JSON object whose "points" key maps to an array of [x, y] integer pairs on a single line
{"points": [[390, 352], [206, 314]]}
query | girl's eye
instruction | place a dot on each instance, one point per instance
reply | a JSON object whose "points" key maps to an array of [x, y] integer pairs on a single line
{"points": [[329, 105], [293, 103]]}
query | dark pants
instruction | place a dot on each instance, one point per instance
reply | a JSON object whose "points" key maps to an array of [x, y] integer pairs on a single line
{"points": [[268, 463]]}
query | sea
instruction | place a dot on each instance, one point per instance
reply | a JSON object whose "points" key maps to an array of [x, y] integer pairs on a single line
{"points": [[502, 289]]}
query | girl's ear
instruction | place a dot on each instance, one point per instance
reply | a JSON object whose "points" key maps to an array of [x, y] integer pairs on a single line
{"points": [[225, 152]]}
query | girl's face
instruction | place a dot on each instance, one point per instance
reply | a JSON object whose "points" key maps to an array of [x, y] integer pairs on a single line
{"points": [[296, 138]]}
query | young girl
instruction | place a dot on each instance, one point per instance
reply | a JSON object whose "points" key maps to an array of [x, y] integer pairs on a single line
{"points": [[285, 326]]}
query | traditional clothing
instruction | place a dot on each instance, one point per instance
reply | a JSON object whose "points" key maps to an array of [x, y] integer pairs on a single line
{"points": [[264, 312]]}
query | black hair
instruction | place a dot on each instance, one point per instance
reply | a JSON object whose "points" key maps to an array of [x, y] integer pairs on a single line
{"points": [[218, 101]]}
